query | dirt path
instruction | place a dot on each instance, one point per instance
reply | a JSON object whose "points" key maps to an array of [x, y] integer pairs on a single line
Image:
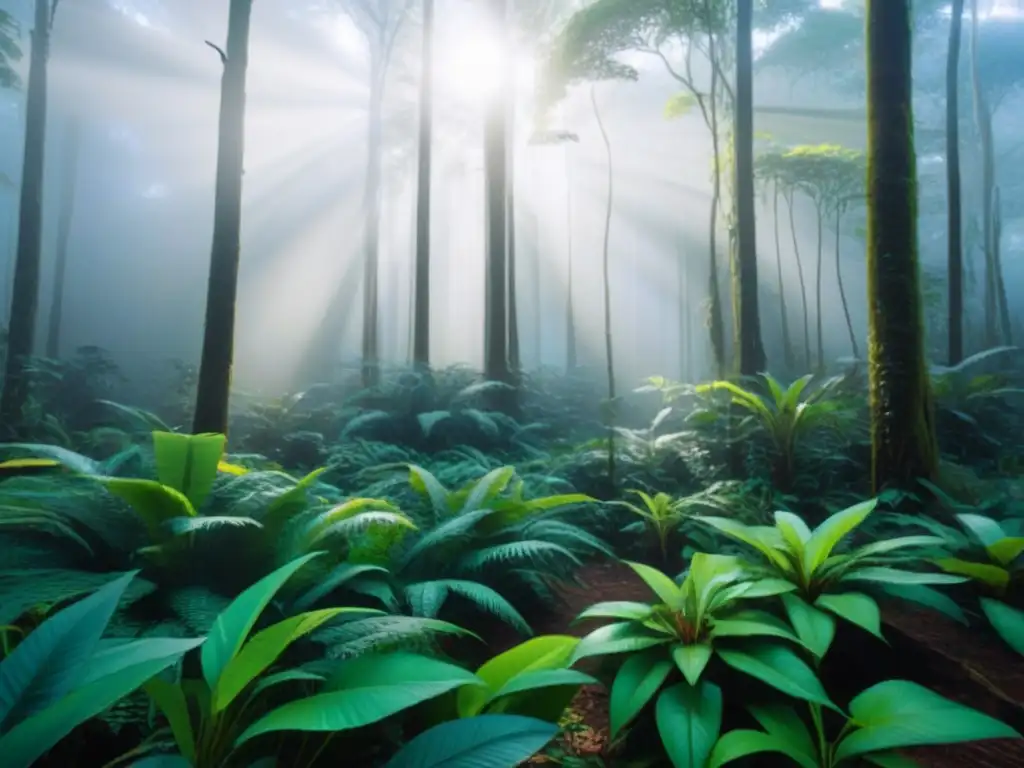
{"points": [[961, 663]]}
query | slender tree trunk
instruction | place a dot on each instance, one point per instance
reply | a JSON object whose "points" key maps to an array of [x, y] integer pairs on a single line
{"points": [[716, 320], [496, 367], [214, 388], [819, 319], [570, 315], [371, 235], [904, 446], [421, 319], [790, 204], [67, 212], [606, 278], [515, 363], [842, 289], [748, 327], [955, 212], [787, 341], [1005, 325], [25, 298]]}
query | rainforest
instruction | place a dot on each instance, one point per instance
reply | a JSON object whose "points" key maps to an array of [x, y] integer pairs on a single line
{"points": [[495, 383]]}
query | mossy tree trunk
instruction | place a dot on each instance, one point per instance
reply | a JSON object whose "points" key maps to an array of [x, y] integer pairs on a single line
{"points": [[72, 147], [955, 258], [214, 388], [421, 287], [904, 446], [748, 320], [25, 298]]}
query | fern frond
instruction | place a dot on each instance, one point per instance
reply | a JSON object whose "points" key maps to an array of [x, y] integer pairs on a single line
{"points": [[517, 552], [428, 597]]}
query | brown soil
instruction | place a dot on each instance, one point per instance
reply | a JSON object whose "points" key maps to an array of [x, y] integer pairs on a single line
{"points": [[965, 664]]}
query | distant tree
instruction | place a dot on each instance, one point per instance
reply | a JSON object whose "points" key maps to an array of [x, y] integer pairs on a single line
{"points": [[214, 387], [955, 259], [72, 152], [904, 447], [25, 303], [10, 50], [421, 284]]}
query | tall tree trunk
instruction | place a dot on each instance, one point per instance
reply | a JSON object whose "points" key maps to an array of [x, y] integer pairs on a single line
{"points": [[716, 319], [421, 319], [606, 278], [904, 446], [214, 387], [819, 320], [496, 367], [570, 315], [371, 233], [515, 361], [983, 119], [748, 325], [787, 340], [790, 204], [842, 288], [1005, 325], [955, 258], [25, 297], [72, 149]]}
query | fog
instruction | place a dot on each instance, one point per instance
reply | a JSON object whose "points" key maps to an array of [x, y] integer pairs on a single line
{"points": [[146, 88]]}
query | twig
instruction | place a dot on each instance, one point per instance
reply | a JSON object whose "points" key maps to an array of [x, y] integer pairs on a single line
{"points": [[218, 49]]}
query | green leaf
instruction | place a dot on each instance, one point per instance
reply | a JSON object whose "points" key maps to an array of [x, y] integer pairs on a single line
{"points": [[623, 637], [542, 678], [486, 741], [827, 535], [617, 609], [636, 682], [1005, 551], [896, 576], [1007, 621], [786, 726], [54, 658], [780, 668], [233, 625], [754, 537], [928, 597], [751, 624], [170, 699], [689, 720], [992, 575], [263, 649], [740, 743], [856, 608], [538, 653], [363, 691], [897, 713], [153, 502], [188, 463], [691, 660], [35, 736], [667, 590], [816, 629]]}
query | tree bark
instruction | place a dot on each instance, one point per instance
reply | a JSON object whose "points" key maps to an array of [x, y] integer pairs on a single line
{"points": [[955, 258], [421, 320], [371, 234], [25, 297], [214, 387], [904, 446], [67, 211], [748, 326]]}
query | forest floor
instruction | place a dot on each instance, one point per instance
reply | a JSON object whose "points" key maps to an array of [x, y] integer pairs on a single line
{"points": [[958, 662]]}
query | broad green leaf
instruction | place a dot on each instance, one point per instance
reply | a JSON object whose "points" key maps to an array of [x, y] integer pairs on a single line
{"points": [[263, 649], [153, 502], [486, 741], [816, 629], [667, 590], [752, 537], [542, 678], [235, 622], [689, 720], [856, 608], [171, 701], [487, 488], [188, 463], [768, 588], [827, 535], [740, 743], [32, 738], [617, 609], [794, 530], [333, 580], [784, 724], [290, 502], [538, 653], [691, 660], [635, 684], [752, 624], [1005, 551], [895, 576], [54, 658], [623, 637], [992, 575], [898, 713], [985, 529], [363, 691], [1007, 621], [780, 668], [929, 597]]}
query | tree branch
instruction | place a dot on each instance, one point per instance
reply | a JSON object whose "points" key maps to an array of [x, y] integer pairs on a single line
{"points": [[218, 49]]}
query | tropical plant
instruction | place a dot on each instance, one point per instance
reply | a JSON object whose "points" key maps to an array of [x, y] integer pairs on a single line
{"points": [[661, 515], [815, 581], [65, 672], [496, 741], [701, 618]]}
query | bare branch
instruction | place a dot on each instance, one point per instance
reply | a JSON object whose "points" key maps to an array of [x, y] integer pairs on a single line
{"points": [[218, 49]]}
